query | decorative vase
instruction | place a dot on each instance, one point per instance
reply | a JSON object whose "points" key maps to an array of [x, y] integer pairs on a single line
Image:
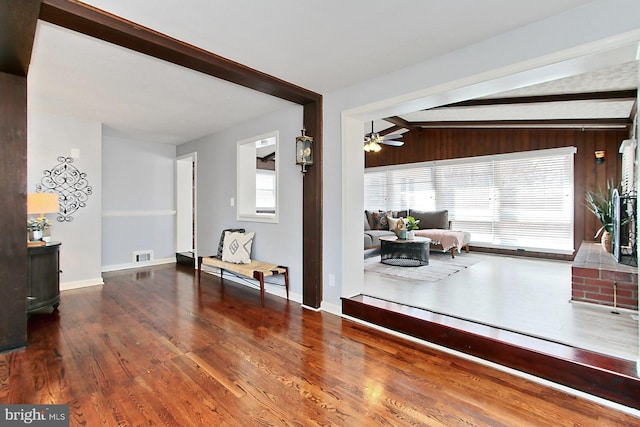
{"points": [[35, 235], [605, 241], [402, 234], [411, 235]]}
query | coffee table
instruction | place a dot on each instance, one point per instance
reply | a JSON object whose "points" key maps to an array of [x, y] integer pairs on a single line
{"points": [[404, 253]]}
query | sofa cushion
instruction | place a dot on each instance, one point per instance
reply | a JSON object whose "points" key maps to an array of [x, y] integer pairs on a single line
{"points": [[367, 226], [368, 241], [378, 220], [431, 219], [376, 234]]}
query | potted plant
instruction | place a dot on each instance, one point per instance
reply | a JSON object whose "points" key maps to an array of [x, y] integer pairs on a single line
{"points": [[36, 227], [411, 224], [600, 203]]}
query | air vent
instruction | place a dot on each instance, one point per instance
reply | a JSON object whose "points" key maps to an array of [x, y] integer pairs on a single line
{"points": [[142, 256]]}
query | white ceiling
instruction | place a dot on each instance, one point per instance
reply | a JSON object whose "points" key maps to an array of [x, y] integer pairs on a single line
{"points": [[614, 78], [319, 45]]}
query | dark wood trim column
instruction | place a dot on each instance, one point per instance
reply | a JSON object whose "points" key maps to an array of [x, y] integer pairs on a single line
{"points": [[13, 245], [97, 23], [18, 22], [312, 211]]}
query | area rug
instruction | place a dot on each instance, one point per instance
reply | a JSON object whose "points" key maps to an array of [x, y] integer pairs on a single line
{"points": [[441, 265]]}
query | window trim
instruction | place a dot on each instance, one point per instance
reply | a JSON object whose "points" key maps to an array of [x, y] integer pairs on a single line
{"points": [[246, 209]]}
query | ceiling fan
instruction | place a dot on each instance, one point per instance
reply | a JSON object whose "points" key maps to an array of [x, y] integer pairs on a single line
{"points": [[373, 140]]}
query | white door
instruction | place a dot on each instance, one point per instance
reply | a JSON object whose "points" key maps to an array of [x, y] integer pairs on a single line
{"points": [[185, 204]]}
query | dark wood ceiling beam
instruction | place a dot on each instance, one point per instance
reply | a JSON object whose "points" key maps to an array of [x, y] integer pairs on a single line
{"points": [[567, 123], [620, 95], [389, 131], [97, 23], [633, 112], [271, 156], [401, 123], [18, 21]]}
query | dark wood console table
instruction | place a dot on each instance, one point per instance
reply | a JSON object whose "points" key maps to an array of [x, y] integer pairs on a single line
{"points": [[44, 277]]}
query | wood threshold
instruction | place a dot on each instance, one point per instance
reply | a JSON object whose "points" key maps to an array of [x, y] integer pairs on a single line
{"points": [[600, 375]]}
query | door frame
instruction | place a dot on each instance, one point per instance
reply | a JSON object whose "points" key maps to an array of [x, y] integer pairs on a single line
{"points": [[192, 211]]}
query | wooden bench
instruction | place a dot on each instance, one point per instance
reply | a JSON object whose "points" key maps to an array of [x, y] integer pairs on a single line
{"points": [[257, 270]]}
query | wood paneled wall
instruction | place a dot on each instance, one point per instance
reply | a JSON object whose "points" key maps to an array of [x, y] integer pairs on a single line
{"points": [[442, 144]]}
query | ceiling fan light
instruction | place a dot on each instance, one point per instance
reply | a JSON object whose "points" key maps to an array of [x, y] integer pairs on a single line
{"points": [[375, 147]]}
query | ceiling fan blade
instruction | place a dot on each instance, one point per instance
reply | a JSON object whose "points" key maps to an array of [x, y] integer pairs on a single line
{"points": [[392, 143], [393, 136]]}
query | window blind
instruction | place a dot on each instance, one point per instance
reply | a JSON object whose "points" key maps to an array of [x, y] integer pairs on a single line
{"points": [[400, 189], [628, 150], [265, 190], [466, 191], [519, 200], [375, 190], [534, 202]]}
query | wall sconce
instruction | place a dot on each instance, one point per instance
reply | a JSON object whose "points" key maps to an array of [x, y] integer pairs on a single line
{"points": [[600, 156], [40, 204], [304, 151]]}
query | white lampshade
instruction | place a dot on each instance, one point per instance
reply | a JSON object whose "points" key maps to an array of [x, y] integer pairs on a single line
{"points": [[42, 203]]}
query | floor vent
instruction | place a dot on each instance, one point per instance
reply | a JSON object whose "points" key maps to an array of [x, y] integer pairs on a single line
{"points": [[142, 256]]}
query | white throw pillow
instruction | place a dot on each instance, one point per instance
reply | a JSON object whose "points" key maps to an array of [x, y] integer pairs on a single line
{"points": [[393, 222], [237, 247]]}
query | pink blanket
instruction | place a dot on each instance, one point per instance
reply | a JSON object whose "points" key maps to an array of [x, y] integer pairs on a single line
{"points": [[447, 238]]}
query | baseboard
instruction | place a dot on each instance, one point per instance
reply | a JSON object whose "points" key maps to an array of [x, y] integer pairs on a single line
{"points": [[65, 286], [331, 308], [604, 307], [116, 267]]}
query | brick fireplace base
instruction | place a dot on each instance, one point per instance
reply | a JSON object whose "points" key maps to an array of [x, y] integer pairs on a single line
{"points": [[594, 273]]}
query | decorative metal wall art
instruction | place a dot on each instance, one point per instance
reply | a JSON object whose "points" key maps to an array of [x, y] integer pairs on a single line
{"points": [[71, 185]]}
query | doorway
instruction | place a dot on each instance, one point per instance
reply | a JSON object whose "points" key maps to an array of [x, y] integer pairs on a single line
{"points": [[186, 209]]}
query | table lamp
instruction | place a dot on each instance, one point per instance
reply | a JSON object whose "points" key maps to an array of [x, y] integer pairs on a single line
{"points": [[41, 203]]}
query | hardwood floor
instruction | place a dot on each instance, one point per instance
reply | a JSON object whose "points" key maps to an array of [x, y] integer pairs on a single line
{"points": [[151, 348]]}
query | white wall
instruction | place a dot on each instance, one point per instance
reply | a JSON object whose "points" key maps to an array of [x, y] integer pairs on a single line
{"points": [[279, 243], [51, 136], [138, 201], [497, 64]]}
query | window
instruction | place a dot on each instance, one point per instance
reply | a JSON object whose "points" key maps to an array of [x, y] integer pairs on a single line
{"points": [[265, 191], [628, 150], [257, 178], [520, 200]]}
